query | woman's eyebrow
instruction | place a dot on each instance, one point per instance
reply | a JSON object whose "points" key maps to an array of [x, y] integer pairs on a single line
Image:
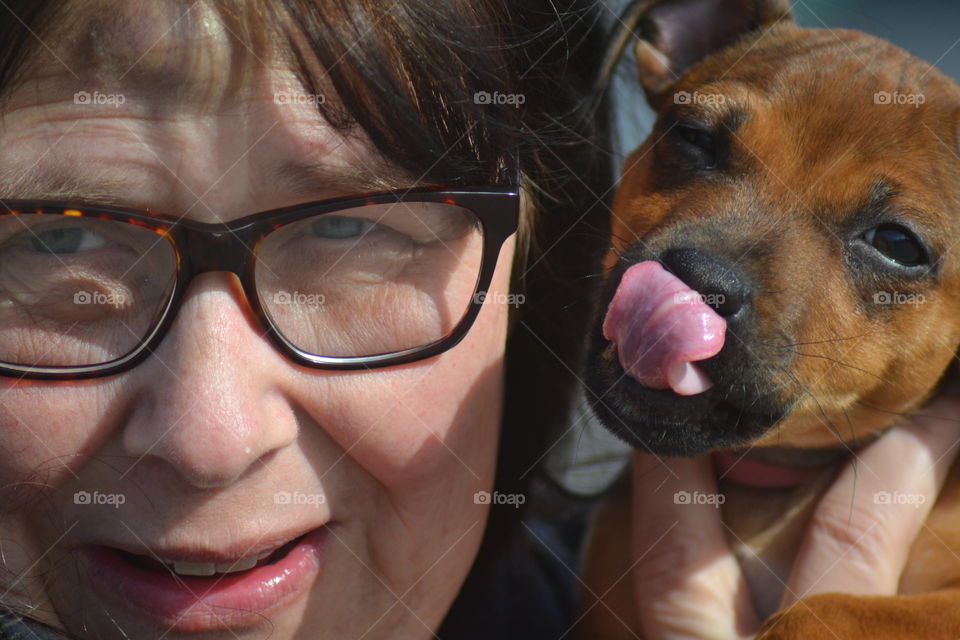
{"points": [[304, 178], [109, 186], [104, 187]]}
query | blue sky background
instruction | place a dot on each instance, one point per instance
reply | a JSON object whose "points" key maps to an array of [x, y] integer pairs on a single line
{"points": [[929, 29]]}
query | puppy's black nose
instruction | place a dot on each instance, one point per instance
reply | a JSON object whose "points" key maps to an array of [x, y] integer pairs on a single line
{"points": [[718, 281]]}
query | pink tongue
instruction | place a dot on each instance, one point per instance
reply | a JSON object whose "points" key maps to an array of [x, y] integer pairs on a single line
{"points": [[661, 327]]}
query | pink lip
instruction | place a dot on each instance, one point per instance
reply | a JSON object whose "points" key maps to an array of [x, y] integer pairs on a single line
{"points": [[195, 604]]}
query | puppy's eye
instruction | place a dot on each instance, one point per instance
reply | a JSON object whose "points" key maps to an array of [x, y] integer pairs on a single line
{"points": [[700, 142], [898, 244]]}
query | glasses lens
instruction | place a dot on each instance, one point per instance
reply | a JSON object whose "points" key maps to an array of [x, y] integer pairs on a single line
{"points": [[79, 291], [371, 280]]}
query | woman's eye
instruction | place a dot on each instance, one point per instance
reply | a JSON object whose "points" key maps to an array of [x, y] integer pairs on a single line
{"points": [[340, 227], [65, 241], [898, 244]]}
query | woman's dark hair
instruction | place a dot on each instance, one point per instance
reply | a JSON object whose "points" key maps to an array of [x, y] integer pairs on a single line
{"points": [[413, 76]]}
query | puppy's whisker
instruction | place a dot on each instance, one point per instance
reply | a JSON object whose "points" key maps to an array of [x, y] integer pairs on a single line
{"points": [[801, 344], [824, 418], [846, 416], [841, 363], [589, 276], [905, 414]]}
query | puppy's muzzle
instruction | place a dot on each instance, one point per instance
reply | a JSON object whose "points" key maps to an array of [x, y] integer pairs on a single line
{"points": [[678, 365]]}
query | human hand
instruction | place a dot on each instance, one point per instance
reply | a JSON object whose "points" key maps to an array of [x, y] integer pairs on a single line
{"points": [[687, 581]]}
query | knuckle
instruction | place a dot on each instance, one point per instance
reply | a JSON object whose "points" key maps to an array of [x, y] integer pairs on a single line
{"points": [[858, 532], [655, 564], [668, 564]]}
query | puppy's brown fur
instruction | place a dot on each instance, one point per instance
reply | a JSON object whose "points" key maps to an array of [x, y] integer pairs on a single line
{"points": [[808, 155]]}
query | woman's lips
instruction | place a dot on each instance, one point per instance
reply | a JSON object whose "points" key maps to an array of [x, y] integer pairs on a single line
{"points": [[190, 604]]}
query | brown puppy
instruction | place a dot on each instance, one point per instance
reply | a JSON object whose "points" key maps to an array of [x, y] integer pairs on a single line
{"points": [[806, 184]]}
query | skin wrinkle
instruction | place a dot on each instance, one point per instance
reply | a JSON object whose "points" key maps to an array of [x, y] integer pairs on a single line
{"points": [[129, 54], [321, 169], [122, 186], [200, 86]]}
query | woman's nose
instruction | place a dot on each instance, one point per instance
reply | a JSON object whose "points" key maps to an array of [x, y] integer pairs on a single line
{"points": [[209, 401]]}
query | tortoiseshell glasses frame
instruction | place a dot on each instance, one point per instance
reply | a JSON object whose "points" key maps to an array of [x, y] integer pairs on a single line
{"points": [[232, 247]]}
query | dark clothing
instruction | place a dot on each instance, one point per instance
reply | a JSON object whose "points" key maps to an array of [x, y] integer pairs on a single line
{"points": [[531, 592], [12, 627]]}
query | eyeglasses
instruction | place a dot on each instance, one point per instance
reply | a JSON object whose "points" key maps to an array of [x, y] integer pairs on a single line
{"points": [[349, 283]]}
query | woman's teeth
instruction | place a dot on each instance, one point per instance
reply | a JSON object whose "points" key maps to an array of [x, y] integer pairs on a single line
{"points": [[210, 568]]}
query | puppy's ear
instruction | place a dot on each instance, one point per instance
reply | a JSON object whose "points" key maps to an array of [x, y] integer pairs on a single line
{"points": [[676, 34]]}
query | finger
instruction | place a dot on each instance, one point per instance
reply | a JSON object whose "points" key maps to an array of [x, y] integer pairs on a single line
{"points": [[861, 533], [686, 580]]}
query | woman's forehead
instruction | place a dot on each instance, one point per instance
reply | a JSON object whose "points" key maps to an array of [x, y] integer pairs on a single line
{"points": [[175, 74], [179, 58], [165, 53]]}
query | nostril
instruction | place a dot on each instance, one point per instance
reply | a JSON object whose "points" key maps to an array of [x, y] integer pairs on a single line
{"points": [[731, 304], [715, 279]]}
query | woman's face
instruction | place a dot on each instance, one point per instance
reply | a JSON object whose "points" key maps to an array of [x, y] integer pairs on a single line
{"points": [[216, 447]]}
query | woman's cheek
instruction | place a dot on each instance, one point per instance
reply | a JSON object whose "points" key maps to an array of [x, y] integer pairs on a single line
{"points": [[438, 418], [400, 440], [49, 428]]}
